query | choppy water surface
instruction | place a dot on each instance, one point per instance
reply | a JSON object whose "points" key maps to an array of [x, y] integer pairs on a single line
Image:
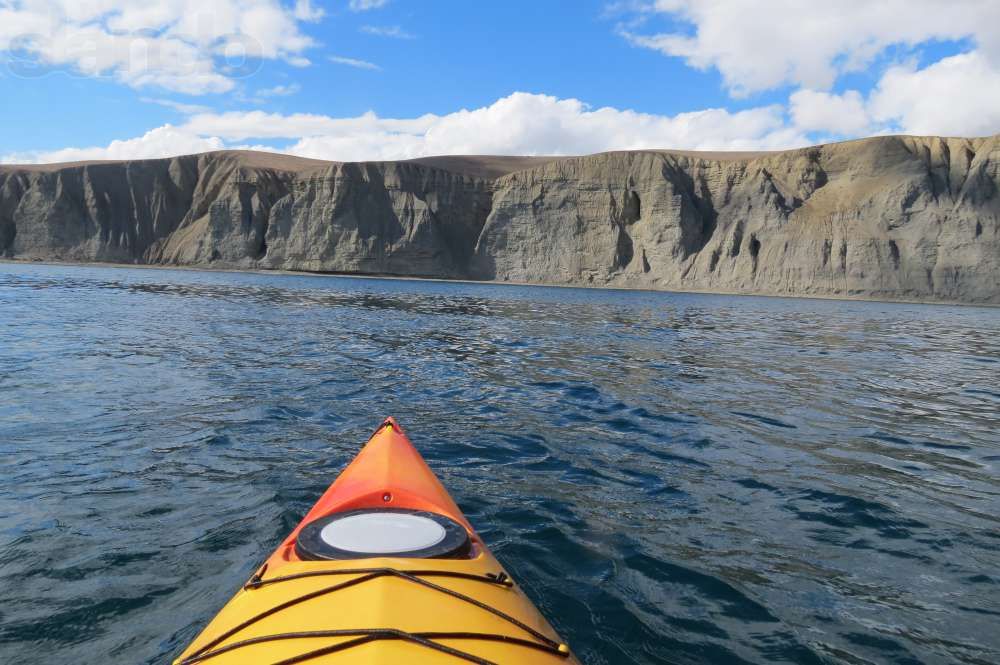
{"points": [[672, 478]]}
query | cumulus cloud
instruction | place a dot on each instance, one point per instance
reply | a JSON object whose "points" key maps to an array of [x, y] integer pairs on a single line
{"points": [[840, 115], [764, 45], [956, 96], [160, 142], [187, 46], [520, 123], [304, 11], [932, 100]]}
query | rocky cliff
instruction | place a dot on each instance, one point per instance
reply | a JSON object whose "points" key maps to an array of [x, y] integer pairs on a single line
{"points": [[889, 217], [246, 210]]}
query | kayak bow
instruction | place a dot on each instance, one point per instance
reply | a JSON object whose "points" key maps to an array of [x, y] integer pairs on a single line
{"points": [[384, 569]]}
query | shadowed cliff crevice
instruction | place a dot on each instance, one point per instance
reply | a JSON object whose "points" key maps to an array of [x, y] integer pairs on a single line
{"points": [[698, 218], [12, 187], [622, 217]]}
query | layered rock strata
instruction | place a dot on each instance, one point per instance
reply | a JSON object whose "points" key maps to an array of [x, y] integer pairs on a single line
{"points": [[889, 217]]}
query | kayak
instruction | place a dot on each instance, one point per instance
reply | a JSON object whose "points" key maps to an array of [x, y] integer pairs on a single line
{"points": [[384, 569]]}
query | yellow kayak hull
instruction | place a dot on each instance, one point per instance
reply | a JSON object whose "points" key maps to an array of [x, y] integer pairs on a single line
{"points": [[380, 610]]}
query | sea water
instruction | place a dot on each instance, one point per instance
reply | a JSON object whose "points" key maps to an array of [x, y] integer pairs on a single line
{"points": [[671, 478]]}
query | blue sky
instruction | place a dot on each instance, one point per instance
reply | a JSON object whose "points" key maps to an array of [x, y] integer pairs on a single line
{"points": [[371, 79]]}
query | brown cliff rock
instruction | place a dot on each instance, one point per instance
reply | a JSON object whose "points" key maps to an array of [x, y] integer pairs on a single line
{"points": [[888, 217]]}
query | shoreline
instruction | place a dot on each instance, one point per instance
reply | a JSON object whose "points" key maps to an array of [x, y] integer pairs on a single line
{"points": [[307, 273]]}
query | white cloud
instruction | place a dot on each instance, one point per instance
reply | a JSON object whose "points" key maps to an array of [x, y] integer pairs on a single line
{"points": [[758, 46], [243, 125], [188, 46], [392, 31], [840, 115], [187, 109], [366, 5], [956, 96], [160, 142], [520, 123], [304, 11], [280, 91], [763, 45], [354, 62]]}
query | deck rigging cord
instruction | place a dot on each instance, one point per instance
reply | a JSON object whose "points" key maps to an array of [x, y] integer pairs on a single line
{"points": [[364, 636]]}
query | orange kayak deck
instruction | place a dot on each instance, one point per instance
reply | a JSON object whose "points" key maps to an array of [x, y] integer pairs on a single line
{"points": [[380, 610], [387, 473]]}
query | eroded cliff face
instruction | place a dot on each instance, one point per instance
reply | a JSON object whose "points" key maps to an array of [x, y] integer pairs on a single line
{"points": [[892, 217], [388, 218], [235, 210]]}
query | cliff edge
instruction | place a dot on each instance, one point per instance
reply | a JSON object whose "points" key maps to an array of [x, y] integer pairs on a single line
{"points": [[915, 218]]}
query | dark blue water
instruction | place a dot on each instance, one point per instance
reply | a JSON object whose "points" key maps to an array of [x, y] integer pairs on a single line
{"points": [[672, 478]]}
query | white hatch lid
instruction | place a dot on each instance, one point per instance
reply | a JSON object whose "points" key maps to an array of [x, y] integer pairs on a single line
{"points": [[381, 532]]}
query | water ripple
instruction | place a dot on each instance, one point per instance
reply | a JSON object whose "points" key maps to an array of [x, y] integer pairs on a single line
{"points": [[672, 478]]}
